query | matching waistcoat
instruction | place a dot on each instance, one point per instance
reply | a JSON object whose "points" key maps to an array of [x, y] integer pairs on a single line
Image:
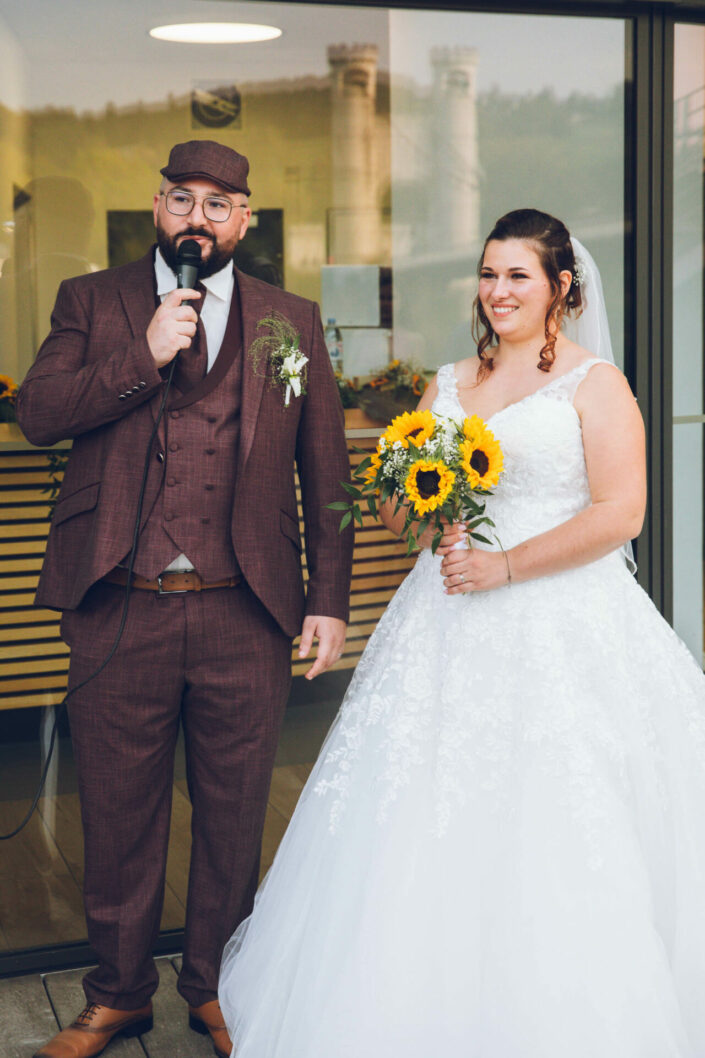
{"points": [[193, 510]]}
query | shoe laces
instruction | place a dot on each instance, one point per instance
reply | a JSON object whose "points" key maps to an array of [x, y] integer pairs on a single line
{"points": [[87, 1014]]}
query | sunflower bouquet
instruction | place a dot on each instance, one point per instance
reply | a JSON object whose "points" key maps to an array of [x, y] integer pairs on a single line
{"points": [[434, 467]]}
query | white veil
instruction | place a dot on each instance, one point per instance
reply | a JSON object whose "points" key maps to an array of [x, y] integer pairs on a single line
{"points": [[591, 329]]}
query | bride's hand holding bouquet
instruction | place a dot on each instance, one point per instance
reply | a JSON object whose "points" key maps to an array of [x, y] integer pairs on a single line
{"points": [[436, 474]]}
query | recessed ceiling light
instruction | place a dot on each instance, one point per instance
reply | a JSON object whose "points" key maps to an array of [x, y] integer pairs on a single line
{"points": [[215, 32]]}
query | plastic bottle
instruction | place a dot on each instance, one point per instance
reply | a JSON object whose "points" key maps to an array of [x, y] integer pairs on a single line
{"points": [[334, 344]]}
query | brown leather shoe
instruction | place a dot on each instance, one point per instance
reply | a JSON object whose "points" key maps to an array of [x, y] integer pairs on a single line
{"points": [[93, 1030], [209, 1018]]}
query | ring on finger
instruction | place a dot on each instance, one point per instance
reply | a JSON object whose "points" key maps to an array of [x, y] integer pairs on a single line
{"points": [[462, 578]]}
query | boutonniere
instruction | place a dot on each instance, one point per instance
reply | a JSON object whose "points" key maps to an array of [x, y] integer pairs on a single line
{"points": [[280, 350]]}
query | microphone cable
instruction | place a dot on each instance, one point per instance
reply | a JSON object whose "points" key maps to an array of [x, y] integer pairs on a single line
{"points": [[61, 708]]}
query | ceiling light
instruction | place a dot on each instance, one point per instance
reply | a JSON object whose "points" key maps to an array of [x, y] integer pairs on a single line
{"points": [[215, 32]]}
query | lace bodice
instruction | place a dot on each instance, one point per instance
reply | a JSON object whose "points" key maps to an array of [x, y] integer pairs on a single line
{"points": [[545, 478]]}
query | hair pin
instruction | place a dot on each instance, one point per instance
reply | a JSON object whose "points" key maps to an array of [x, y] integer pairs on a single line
{"points": [[579, 272]]}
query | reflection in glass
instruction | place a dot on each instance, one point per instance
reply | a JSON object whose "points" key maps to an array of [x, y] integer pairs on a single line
{"points": [[376, 167], [688, 321], [468, 146]]}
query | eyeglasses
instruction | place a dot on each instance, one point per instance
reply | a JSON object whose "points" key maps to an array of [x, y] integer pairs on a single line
{"points": [[180, 203]]}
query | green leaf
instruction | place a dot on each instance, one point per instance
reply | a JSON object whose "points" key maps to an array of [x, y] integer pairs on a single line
{"points": [[436, 541], [352, 490], [339, 505], [345, 521], [372, 506], [483, 539], [357, 514]]}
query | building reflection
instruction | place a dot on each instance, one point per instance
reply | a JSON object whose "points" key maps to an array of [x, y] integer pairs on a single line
{"points": [[363, 168]]}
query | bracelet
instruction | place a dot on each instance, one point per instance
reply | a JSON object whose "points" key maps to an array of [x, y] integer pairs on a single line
{"points": [[509, 572]]}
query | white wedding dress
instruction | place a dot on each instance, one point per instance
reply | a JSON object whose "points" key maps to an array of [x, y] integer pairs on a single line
{"points": [[500, 852]]}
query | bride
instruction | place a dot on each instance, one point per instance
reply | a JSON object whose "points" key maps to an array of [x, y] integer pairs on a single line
{"points": [[500, 852]]}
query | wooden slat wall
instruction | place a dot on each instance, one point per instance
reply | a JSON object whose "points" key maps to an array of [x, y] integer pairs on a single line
{"points": [[34, 660]]}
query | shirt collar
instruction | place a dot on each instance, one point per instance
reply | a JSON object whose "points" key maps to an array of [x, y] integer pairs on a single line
{"points": [[219, 284]]}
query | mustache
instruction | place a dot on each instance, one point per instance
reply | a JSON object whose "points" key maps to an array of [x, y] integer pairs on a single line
{"points": [[196, 231]]}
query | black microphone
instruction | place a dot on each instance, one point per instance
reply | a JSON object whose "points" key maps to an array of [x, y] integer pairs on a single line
{"points": [[188, 263]]}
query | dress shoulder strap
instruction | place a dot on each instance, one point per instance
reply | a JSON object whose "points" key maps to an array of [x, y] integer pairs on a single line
{"points": [[567, 385], [445, 380]]}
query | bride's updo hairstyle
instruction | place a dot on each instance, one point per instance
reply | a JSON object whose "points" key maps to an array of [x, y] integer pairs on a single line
{"points": [[550, 239]]}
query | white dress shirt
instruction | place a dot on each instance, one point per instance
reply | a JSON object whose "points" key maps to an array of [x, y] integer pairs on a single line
{"points": [[214, 313], [216, 305]]}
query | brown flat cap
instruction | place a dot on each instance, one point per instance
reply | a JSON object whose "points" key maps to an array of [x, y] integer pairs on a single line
{"points": [[210, 159]]}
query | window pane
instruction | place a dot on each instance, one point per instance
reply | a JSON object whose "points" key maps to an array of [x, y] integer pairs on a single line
{"points": [[688, 407], [472, 140], [376, 167]]}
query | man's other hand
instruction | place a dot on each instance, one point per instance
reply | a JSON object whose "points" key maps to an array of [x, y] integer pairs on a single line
{"points": [[330, 633]]}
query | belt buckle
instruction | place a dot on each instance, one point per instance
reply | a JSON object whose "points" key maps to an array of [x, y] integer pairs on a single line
{"points": [[166, 591]]}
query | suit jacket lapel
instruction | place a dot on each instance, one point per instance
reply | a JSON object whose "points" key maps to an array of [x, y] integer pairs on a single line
{"points": [[254, 306], [138, 296], [138, 293], [139, 300]]}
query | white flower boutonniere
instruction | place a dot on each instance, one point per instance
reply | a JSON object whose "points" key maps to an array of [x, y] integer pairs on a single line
{"points": [[281, 352], [292, 370]]}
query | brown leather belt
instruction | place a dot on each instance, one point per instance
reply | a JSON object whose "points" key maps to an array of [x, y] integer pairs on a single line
{"points": [[173, 583]]}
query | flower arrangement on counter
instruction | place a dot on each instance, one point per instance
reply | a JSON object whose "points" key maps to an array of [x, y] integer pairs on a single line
{"points": [[8, 394], [388, 392]]}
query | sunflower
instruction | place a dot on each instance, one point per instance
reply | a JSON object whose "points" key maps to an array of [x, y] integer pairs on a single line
{"points": [[428, 485], [418, 385], [371, 472], [8, 388], [482, 458], [415, 426]]}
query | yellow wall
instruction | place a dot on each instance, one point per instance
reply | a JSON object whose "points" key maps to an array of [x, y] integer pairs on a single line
{"points": [[76, 167]]}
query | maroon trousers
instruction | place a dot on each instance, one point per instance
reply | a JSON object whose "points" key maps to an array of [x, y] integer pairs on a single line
{"points": [[218, 662]]}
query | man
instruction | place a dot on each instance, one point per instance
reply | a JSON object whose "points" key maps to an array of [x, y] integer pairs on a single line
{"points": [[217, 594]]}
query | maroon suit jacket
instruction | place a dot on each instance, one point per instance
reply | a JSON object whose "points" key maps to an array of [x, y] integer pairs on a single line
{"points": [[97, 351]]}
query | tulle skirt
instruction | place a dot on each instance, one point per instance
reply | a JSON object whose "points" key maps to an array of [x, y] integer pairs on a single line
{"points": [[500, 852]]}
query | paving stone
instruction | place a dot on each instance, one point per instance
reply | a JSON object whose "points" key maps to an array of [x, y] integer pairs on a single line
{"points": [[172, 1038], [26, 1018]]}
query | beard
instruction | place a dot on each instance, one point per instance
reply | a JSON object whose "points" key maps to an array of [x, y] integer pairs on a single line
{"points": [[220, 255]]}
